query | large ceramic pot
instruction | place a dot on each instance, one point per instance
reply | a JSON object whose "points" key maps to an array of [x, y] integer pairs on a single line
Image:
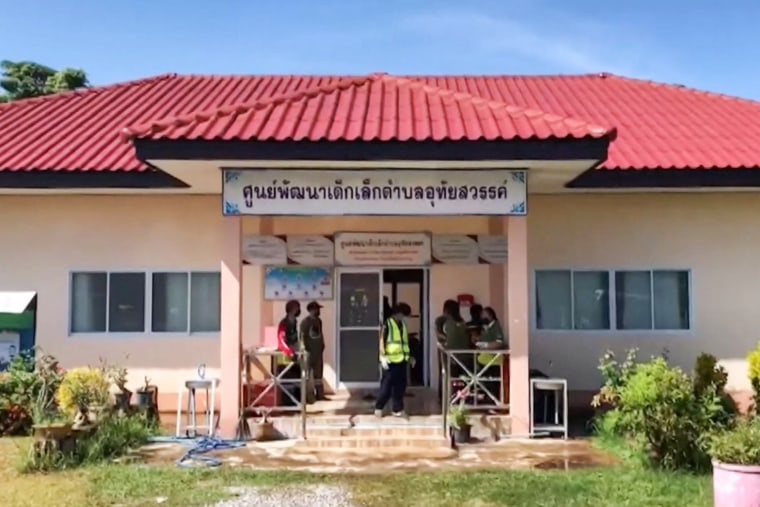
{"points": [[736, 485]]}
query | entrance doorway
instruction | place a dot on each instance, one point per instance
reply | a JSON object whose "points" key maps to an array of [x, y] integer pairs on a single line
{"points": [[408, 286], [361, 307]]}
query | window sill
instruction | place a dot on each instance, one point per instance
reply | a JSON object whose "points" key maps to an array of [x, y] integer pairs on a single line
{"points": [[613, 333], [145, 335]]}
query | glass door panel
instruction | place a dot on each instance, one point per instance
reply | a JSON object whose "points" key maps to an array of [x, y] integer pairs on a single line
{"points": [[359, 319]]}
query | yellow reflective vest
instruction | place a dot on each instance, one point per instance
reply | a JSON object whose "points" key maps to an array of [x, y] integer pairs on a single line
{"points": [[396, 342]]}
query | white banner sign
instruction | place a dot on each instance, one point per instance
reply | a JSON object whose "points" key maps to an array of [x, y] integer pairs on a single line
{"points": [[305, 250], [464, 249], [492, 249], [374, 192], [265, 250], [455, 249], [382, 249], [310, 250]]}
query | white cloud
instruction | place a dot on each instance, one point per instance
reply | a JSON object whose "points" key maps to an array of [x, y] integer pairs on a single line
{"points": [[558, 40]]}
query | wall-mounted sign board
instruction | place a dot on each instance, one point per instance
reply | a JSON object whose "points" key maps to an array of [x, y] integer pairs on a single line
{"points": [[374, 249], [382, 249], [469, 249], [305, 250], [429, 192]]}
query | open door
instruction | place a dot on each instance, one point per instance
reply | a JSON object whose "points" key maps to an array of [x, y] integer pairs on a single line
{"points": [[359, 315]]}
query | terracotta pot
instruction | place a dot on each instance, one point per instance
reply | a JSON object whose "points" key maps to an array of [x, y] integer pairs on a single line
{"points": [[736, 485], [263, 432]]}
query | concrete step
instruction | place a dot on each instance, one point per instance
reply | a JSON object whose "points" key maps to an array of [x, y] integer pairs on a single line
{"points": [[374, 432], [362, 442]]}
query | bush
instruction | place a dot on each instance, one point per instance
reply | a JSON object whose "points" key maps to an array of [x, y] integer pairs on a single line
{"points": [[26, 381], [739, 445], [113, 437], [667, 414], [661, 411], [82, 388], [753, 372]]}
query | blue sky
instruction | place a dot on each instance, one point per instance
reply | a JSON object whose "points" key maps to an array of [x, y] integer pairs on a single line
{"points": [[698, 43]]}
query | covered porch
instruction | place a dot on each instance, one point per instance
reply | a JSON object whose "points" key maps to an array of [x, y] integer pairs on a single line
{"points": [[466, 169]]}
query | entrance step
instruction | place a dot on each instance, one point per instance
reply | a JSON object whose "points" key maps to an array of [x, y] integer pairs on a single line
{"points": [[360, 441], [369, 432]]}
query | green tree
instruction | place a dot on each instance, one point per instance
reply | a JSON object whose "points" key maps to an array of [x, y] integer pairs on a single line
{"points": [[22, 80]]}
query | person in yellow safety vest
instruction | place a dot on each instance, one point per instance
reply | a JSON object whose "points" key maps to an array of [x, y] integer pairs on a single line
{"points": [[394, 358], [491, 338]]}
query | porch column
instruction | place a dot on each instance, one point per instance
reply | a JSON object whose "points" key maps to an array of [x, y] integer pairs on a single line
{"points": [[231, 325], [518, 295]]}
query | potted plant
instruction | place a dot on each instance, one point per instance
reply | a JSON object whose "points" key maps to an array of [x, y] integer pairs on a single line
{"points": [[44, 409], [145, 395], [263, 429], [459, 423], [117, 375], [83, 393], [735, 457]]}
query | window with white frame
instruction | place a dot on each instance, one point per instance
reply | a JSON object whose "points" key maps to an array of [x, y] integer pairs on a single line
{"points": [[618, 300], [136, 302]]}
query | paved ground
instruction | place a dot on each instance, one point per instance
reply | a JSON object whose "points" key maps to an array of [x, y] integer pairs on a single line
{"points": [[506, 454]]}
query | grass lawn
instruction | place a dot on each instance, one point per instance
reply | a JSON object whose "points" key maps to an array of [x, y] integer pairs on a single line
{"points": [[138, 485]]}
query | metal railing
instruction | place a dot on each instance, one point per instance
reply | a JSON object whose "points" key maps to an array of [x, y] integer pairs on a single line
{"points": [[276, 380], [472, 384]]}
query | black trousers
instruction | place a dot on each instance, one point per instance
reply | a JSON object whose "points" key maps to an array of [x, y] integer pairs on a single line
{"points": [[316, 368], [393, 387]]}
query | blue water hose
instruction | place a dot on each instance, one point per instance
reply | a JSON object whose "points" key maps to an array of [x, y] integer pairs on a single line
{"points": [[198, 448]]}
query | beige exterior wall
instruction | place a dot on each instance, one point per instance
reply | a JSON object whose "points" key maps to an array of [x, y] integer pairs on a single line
{"points": [[714, 235]]}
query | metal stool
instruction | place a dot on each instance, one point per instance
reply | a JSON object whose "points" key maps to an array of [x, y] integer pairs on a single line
{"points": [[208, 385], [557, 386]]}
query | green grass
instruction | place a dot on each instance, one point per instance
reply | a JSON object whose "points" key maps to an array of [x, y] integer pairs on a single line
{"points": [[139, 485]]}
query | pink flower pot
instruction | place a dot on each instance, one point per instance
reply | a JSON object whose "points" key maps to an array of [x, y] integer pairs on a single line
{"points": [[736, 485]]}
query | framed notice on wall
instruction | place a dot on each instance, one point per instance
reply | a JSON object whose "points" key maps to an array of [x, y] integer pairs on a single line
{"points": [[382, 249]]}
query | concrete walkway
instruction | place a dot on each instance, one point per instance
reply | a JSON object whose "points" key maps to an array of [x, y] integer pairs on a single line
{"points": [[506, 454]]}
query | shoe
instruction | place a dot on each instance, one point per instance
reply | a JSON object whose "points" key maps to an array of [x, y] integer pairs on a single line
{"points": [[378, 413], [401, 414]]}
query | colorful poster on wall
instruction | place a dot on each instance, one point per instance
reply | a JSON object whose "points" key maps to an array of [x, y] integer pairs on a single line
{"points": [[298, 282], [382, 249], [287, 192], [10, 345], [469, 249]]}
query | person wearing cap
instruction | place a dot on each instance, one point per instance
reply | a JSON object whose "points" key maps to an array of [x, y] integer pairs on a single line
{"points": [[394, 358], [314, 343], [288, 344]]}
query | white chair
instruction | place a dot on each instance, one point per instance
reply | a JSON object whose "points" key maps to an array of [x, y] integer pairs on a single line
{"points": [[208, 385], [558, 387]]}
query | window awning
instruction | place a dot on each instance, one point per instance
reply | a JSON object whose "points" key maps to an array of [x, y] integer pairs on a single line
{"points": [[15, 301]]}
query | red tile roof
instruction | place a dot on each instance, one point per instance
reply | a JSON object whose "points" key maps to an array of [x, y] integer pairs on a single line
{"points": [[657, 125], [377, 107]]}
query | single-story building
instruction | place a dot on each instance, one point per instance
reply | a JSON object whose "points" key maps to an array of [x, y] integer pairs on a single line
{"points": [[163, 222]]}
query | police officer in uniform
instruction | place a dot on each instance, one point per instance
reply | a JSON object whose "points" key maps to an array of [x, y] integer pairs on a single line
{"points": [[394, 359], [314, 343]]}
